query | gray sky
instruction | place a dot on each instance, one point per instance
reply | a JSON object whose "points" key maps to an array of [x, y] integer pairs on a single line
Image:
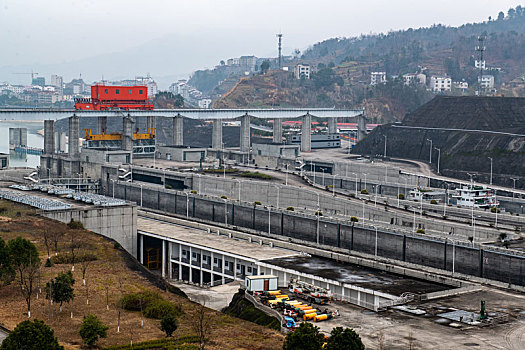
{"points": [[198, 33]]}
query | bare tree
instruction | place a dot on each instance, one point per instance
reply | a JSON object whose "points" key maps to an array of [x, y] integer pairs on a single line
{"points": [[55, 237], [410, 340], [381, 340], [201, 323], [74, 246], [47, 241], [85, 261]]}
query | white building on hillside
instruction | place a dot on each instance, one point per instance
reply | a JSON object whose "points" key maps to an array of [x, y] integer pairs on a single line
{"points": [[440, 83], [487, 81], [480, 64], [204, 103], [415, 78], [302, 71], [377, 78]]}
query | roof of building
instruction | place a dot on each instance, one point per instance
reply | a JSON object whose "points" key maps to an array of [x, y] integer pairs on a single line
{"points": [[202, 239]]}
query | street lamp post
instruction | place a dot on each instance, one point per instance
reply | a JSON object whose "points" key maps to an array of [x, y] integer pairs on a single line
{"points": [[490, 169], [286, 181], [365, 181], [439, 159], [355, 184], [385, 146], [141, 195], [226, 212], [513, 186], [333, 185], [375, 253], [430, 159], [323, 169], [187, 205]]}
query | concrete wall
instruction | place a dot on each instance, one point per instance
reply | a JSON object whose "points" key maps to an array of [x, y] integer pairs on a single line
{"points": [[118, 223], [281, 196], [469, 259]]}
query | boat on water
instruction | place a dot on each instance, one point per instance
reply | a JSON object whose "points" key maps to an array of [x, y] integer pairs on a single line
{"points": [[477, 196]]}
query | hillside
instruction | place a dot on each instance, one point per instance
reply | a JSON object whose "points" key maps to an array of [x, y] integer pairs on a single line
{"points": [[329, 87], [461, 152], [341, 68], [114, 271]]}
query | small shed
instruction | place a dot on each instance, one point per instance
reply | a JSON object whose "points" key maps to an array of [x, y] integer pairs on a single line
{"points": [[260, 283]]}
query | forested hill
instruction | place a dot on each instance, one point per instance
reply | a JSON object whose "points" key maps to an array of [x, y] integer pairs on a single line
{"points": [[341, 68], [404, 51]]}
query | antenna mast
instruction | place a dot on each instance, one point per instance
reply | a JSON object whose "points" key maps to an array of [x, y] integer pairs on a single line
{"points": [[480, 49], [280, 36]]}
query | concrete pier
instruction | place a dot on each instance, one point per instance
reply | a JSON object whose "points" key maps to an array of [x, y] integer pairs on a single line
{"points": [[127, 133], [361, 127], [150, 122], [73, 137], [178, 131], [306, 136], [277, 131], [49, 136], [102, 125], [332, 125], [216, 137], [245, 133]]}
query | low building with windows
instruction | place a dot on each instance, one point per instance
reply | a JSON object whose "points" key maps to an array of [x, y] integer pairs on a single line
{"points": [[377, 78], [439, 83], [486, 81], [302, 71]]}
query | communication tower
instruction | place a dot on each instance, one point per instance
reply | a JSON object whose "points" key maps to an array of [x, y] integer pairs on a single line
{"points": [[280, 36], [480, 49]]}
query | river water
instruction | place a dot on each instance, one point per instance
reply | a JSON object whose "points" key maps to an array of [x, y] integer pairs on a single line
{"points": [[18, 159]]}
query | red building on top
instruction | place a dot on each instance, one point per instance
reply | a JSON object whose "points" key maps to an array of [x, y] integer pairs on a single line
{"points": [[115, 97]]}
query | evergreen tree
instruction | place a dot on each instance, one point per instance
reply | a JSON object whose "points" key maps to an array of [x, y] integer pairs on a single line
{"points": [[92, 329], [305, 337], [346, 339], [31, 335], [60, 289]]}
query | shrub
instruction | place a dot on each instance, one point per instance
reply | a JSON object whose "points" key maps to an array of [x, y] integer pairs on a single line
{"points": [[433, 201], [495, 210], [49, 263], [168, 324], [354, 219], [138, 301], [364, 191], [319, 213], [257, 203], [470, 238], [401, 196], [3, 210], [75, 225], [224, 197], [92, 329], [256, 175], [160, 308], [169, 187], [193, 192], [117, 245], [502, 236], [420, 230], [290, 208]]}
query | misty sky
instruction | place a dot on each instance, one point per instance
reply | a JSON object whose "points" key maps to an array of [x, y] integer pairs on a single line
{"points": [[35, 33]]}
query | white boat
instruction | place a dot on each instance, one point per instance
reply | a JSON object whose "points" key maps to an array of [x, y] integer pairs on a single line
{"points": [[477, 196], [419, 194]]}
